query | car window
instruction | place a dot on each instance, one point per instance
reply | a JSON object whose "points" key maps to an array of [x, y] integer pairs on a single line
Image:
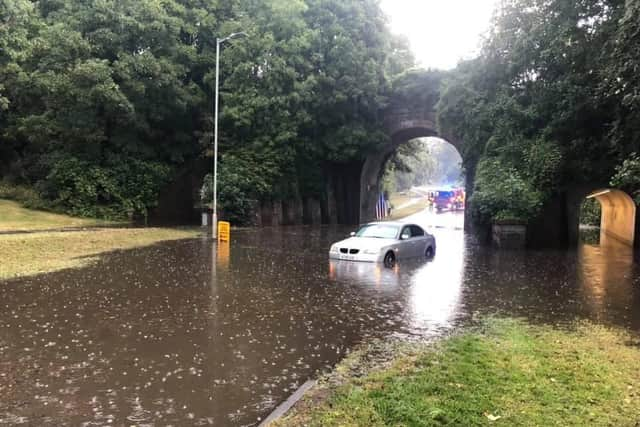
{"points": [[380, 231], [406, 230], [416, 231]]}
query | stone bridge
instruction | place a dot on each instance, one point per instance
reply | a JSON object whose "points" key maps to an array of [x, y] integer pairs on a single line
{"points": [[557, 226], [402, 126], [352, 190]]}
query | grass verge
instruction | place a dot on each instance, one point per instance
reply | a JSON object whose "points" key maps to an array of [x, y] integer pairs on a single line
{"points": [[506, 373], [43, 252], [406, 204], [14, 217], [397, 199], [414, 208]]}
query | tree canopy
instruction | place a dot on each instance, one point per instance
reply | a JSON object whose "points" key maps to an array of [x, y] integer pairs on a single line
{"points": [[551, 102], [103, 101]]}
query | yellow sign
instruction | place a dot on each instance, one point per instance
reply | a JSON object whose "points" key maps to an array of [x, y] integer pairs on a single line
{"points": [[224, 231]]}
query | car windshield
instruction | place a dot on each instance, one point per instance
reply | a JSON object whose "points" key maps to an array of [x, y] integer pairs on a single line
{"points": [[380, 231]]}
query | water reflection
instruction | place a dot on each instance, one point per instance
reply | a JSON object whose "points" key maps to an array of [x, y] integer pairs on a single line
{"points": [[223, 253], [435, 296], [366, 274], [605, 273]]}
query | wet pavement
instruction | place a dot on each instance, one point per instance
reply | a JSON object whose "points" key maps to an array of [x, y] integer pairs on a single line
{"points": [[186, 333]]}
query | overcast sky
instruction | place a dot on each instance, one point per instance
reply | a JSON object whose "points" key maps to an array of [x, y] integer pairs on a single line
{"points": [[440, 31]]}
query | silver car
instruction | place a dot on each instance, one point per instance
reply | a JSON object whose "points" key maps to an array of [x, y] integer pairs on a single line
{"points": [[385, 242]]}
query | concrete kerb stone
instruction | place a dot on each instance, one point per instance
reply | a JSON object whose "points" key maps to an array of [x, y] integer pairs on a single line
{"points": [[285, 406]]}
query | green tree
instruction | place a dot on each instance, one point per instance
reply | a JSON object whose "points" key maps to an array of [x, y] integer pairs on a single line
{"points": [[627, 177], [532, 105], [91, 88]]}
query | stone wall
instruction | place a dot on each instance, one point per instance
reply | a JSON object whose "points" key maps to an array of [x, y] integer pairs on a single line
{"points": [[290, 212]]}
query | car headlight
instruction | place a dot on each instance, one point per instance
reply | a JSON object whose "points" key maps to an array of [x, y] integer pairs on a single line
{"points": [[370, 251], [334, 249]]}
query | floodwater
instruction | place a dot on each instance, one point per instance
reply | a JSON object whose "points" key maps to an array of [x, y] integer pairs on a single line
{"points": [[186, 333]]}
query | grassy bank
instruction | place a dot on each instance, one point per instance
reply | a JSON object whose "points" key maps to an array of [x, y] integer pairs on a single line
{"points": [[506, 373], [406, 204], [40, 252], [408, 210], [14, 217], [397, 199]]}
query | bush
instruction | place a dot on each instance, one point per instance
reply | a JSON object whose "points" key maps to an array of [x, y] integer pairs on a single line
{"points": [[240, 186], [27, 196], [542, 164], [590, 212], [119, 190], [503, 194], [627, 176]]}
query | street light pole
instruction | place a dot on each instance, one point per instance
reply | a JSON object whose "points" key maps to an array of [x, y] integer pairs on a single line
{"points": [[214, 220], [214, 226]]}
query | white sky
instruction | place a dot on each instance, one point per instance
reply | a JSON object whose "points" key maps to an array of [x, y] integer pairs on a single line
{"points": [[441, 32]]}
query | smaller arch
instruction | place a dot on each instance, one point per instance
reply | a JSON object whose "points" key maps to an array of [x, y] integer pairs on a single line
{"points": [[618, 218]]}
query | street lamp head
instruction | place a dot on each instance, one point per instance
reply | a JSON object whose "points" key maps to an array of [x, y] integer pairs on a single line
{"points": [[233, 36], [239, 34]]}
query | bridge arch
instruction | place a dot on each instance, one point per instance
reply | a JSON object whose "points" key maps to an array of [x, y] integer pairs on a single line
{"points": [[618, 214], [402, 126], [619, 222]]}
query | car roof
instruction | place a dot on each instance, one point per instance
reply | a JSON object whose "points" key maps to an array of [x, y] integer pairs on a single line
{"points": [[392, 223]]}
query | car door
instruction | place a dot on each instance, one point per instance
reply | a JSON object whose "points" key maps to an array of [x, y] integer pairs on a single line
{"points": [[419, 242], [405, 246]]}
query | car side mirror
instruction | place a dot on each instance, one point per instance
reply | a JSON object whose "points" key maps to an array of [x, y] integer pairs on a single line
{"points": [[353, 233], [405, 236]]}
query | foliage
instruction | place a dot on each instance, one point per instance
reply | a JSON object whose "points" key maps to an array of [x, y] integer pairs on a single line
{"points": [[590, 212], [502, 193], [118, 190], [417, 89], [621, 80], [552, 94], [241, 182], [424, 161], [408, 166], [463, 113], [98, 84], [627, 176], [91, 88], [27, 196]]}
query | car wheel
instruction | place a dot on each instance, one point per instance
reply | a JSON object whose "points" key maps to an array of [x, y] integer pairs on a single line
{"points": [[429, 253], [389, 260]]}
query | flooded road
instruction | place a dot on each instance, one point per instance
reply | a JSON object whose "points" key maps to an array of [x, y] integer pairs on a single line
{"points": [[186, 333]]}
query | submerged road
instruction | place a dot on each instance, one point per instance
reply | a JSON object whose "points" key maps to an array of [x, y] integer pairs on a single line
{"points": [[186, 333]]}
